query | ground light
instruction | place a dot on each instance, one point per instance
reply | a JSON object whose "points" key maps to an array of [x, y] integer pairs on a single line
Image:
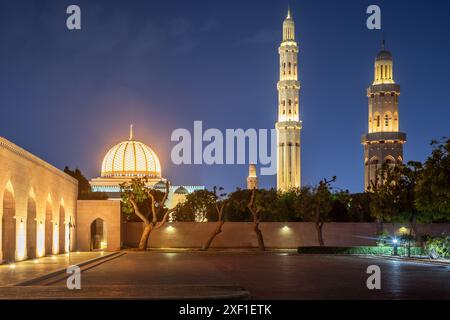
{"points": [[36, 260], [12, 265]]}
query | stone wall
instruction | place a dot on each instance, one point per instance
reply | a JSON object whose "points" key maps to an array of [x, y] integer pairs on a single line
{"points": [[37, 201], [276, 235], [106, 210]]}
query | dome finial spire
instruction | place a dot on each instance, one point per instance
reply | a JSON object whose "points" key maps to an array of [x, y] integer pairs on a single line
{"points": [[289, 12], [383, 45], [131, 131]]}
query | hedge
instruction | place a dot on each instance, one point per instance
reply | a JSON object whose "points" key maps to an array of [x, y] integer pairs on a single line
{"points": [[385, 250]]}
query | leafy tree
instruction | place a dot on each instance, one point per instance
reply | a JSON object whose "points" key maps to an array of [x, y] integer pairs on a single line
{"points": [[147, 204], [84, 188], [433, 186], [315, 204], [384, 198], [198, 206], [219, 205]]}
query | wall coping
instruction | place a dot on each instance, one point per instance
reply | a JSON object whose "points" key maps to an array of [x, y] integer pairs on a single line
{"points": [[8, 145]]}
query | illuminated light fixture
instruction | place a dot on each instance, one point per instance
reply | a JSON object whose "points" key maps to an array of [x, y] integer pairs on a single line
{"points": [[170, 229], [53, 258], [67, 254], [12, 265], [78, 252], [36, 260], [395, 241]]}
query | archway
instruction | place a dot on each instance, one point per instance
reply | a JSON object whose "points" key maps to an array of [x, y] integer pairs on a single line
{"points": [[48, 228], [98, 235], [31, 228], [62, 230], [8, 226]]}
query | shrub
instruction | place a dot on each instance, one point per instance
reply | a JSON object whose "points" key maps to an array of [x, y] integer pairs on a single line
{"points": [[439, 245], [384, 250]]}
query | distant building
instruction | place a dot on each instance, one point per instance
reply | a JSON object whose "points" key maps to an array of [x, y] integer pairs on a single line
{"points": [[384, 142], [289, 125], [133, 159], [252, 179]]}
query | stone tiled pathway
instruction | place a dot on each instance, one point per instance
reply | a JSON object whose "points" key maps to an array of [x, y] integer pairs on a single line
{"points": [[29, 269]]}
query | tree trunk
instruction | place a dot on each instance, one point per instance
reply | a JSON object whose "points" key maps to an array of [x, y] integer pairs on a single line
{"points": [[319, 233], [145, 235], [380, 227], [260, 237], [213, 235], [416, 231]]}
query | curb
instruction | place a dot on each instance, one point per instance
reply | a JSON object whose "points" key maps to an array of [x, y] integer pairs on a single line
{"points": [[415, 260], [60, 271]]}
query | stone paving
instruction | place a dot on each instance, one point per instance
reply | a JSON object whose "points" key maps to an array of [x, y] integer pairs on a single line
{"points": [[274, 275], [28, 269]]}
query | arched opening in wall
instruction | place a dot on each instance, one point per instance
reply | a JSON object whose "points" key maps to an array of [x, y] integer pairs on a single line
{"points": [[48, 228], [8, 225], [31, 227], [389, 160], [62, 229], [98, 235]]}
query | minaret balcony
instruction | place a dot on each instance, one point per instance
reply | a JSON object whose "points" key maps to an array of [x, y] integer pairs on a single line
{"points": [[293, 84], [385, 87], [381, 137]]}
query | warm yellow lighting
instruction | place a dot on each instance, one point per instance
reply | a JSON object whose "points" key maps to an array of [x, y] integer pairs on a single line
{"points": [[36, 260], [12, 266], [40, 239], [285, 229], [21, 241], [53, 257], [403, 230], [55, 247], [131, 158], [170, 229], [78, 252]]}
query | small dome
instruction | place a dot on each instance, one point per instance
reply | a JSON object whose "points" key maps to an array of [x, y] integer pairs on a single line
{"points": [[181, 190], [131, 159], [384, 55], [160, 185]]}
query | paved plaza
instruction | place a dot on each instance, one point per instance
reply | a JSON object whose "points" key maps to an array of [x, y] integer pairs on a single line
{"points": [[265, 275]]}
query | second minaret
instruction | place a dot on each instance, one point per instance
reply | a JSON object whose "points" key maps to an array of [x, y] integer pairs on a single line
{"points": [[289, 125]]}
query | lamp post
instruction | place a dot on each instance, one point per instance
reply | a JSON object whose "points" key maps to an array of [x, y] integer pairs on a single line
{"points": [[70, 233], [395, 242]]}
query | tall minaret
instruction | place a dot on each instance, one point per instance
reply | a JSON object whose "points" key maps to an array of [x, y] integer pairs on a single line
{"points": [[384, 142], [289, 125]]}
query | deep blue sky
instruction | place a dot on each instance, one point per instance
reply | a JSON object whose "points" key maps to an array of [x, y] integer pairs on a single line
{"points": [[69, 96]]}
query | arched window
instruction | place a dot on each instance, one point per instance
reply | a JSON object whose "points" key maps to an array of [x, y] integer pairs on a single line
{"points": [[378, 120]]}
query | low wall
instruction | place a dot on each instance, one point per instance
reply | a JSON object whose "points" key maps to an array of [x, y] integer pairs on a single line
{"points": [[106, 210], [276, 234]]}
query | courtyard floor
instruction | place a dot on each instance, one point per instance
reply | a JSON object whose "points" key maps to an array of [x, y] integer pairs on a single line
{"points": [[266, 275], [28, 269]]}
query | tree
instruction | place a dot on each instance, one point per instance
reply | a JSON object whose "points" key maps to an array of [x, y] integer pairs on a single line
{"points": [[384, 195], [198, 206], [219, 204], [147, 204], [433, 185], [255, 206], [84, 188]]}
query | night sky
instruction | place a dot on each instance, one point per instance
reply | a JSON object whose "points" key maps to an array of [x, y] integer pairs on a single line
{"points": [[68, 96]]}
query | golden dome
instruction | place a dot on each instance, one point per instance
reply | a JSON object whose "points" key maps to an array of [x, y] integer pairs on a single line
{"points": [[131, 158]]}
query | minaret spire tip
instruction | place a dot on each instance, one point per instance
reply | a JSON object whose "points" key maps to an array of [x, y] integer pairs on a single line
{"points": [[131, 131], [289, 12]]}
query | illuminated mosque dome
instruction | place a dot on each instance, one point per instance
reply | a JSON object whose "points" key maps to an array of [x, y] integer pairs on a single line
{"points": [[131, 158]]}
